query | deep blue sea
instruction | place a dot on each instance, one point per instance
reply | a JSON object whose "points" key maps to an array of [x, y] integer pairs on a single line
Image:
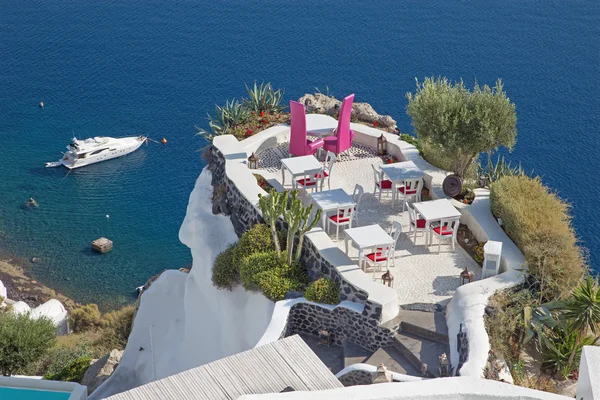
{"points": [[121, 68]]}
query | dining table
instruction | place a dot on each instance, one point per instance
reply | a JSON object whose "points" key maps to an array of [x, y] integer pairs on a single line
{"points": [[331, 200], [434, 211], [368, 237], [297, 166]]}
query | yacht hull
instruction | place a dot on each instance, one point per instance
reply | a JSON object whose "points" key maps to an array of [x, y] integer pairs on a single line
{"points": [[124, 147]]}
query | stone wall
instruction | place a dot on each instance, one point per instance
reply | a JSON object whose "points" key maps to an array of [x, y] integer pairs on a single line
{"points": [[229, 200], [356, 377], [343, 323]]}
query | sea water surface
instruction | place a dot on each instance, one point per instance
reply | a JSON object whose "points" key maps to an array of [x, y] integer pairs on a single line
{"points": [[157, 67]]}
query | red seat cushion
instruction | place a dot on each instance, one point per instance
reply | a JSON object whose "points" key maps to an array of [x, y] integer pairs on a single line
{"points": [[420, 223], [339, 219], [302, 182], [410, 191], [318, 176], [376, 257], [446, 231], [385, 184]]}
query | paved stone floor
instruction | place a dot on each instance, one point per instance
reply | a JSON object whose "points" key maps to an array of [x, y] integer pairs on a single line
{"points": [[421, 274], [332, 356]]}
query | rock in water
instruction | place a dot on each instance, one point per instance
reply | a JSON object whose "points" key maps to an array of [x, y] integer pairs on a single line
{"points": [[101, 370]]}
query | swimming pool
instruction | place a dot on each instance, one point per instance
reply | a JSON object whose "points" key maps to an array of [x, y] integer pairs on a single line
{"points": [[7, 393]]}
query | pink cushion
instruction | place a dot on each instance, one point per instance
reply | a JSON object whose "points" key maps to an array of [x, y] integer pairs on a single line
{"points": [[302, 182], [446, 231], [339, 219], [402, 189], [385, 184], [420, 223], [375, 257]]}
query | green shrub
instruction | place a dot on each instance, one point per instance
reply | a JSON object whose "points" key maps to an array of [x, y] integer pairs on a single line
{"points": [[257, 239], [505, 326], [117, 327], [274, 284], [323, 290], [478, 253], [73, 372], [23, 341], [85, 318], [539, 223], [226, 270], [67, 349], [255, 264]]}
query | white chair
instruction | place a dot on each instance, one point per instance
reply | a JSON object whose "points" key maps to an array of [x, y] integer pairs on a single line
{"points": [[328, 167], [357, 196], [416, 224], [448, 228], [382, 185], [342, 217], [410, 188], [311, 180], [381, 255]]}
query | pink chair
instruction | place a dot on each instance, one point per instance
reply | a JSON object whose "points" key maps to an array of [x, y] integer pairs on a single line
{"points": [[342, 140], [299, 144]]}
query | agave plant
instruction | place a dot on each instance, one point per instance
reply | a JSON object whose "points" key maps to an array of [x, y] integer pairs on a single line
{"points": [[264, 98], [494, 171], [233, 113]]}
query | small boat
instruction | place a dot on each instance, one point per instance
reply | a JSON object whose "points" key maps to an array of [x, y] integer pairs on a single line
{"points": [[93, 150]]}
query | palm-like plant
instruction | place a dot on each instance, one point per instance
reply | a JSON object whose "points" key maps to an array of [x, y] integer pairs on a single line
{"points": [[264, 98], [582, 311], [226, 117]]}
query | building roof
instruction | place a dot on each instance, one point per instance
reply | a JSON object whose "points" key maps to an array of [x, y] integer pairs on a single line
{"points": [[266, 369]]}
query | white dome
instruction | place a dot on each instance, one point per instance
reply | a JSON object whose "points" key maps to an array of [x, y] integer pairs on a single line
{"points": [[52, 309], [20, 307]]}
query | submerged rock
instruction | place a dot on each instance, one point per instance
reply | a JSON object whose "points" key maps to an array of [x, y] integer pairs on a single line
{"points": [[101, 370]]}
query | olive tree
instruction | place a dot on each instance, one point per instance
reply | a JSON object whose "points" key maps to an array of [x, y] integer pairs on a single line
{"points": [[462, 123], [23, 341]]}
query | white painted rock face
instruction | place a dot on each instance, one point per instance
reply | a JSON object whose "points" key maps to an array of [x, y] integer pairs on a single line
{"points": [[183, 321]]}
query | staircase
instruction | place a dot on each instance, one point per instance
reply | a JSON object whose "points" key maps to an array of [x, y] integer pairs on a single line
{"points": [[421, 339]]}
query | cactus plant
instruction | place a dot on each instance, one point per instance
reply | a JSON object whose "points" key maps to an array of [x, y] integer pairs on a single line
{"points": [[298, 219], [272, 206]]}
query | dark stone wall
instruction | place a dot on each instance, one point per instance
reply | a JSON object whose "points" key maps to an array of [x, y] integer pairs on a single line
{"points": [[357, 377], [230, 201], [462, 345], [345, 324]]}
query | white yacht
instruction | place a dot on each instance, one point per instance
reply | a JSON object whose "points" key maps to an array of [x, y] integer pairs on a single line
{"points": [[90, 151]]}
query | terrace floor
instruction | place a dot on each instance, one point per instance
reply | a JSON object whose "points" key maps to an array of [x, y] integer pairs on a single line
{"points": [[421, 274]]}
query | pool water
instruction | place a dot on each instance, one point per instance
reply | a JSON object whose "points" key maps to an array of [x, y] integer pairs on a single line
{"points": [[31, 394]]}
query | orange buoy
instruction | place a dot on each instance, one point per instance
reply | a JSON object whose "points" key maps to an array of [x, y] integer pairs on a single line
{"points": [[163, 141]]}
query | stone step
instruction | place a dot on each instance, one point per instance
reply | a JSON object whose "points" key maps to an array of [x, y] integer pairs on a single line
{"points": [[428, 325], [354, 354], [393, 360], [423, 354]]}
